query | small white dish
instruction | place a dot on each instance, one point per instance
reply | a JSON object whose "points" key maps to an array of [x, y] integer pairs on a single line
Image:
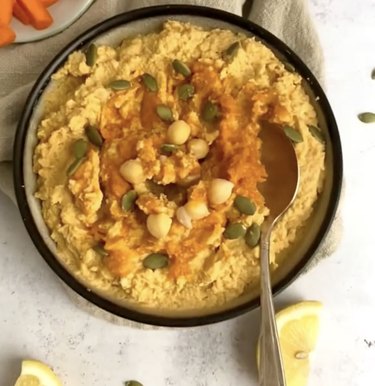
{"points": [[64, 13]]}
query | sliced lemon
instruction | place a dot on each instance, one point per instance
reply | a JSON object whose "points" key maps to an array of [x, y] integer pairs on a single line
{"points": [[35, 373], [298, 327]]}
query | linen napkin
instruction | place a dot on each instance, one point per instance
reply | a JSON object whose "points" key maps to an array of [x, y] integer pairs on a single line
{"points": [[20, 64]]}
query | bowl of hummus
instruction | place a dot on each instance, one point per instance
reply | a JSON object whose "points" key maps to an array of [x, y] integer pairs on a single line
{"points": [[138, 161]]}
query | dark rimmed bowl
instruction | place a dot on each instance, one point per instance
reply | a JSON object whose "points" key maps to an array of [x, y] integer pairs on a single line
{"points": [[294, 260]]}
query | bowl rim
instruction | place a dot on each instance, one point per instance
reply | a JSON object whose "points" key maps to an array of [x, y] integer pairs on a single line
{"points": [[117, 21]]}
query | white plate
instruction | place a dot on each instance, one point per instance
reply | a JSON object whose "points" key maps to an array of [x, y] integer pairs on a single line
{"points": [[64, 13]]}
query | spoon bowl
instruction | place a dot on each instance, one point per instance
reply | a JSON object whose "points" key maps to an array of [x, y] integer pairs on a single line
{"points": [[279, 191]]}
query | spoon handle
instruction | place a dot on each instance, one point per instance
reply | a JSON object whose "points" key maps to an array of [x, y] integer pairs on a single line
{"points": [[271, 369]]}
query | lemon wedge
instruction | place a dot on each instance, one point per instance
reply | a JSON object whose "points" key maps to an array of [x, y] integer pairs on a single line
{"points": [[35, 373], [298, 327]]}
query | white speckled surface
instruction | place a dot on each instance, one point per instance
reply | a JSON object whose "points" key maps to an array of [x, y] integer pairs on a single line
{"points": [[37, 319]]}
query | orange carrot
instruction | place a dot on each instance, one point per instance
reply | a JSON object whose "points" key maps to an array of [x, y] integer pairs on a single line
{"points": [[21, 14], [6, 11], [47, 3], [40, 17], [7, 35]]}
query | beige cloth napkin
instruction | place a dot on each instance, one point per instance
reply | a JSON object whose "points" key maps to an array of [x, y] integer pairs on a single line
{"points": [[20, 64]]}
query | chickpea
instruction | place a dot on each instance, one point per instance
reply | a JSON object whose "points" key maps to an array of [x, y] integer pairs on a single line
{"points": [[196, 209], [178, 132], [159, 225], [198, 148], [219, 191], [132, 171]]}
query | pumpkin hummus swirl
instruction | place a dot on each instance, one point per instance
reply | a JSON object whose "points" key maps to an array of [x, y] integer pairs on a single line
{"points": [[149, 159]]}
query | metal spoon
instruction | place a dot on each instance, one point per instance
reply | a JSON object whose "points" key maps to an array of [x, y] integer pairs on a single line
{"points": [[279, 191]]}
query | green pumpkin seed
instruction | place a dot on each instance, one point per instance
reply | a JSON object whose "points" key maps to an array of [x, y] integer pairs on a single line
{"points": [[74, 166], [244, 205], [289, 67], [294, 135], [119, 84], [94, 136], [210, 111], [128, 200], [181, 68], [156, 261], [234, 231], [232, 50], [164, 113], [373, 74], [252, 235], [168, 148], [133, 383], [91, 55], [367, 117], [316, 133], [99, 249], [80, 148], [150, 82], [185, 91]]}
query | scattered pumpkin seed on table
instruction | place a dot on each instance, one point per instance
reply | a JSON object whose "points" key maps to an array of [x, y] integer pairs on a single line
{"points": [[91, 55], [150, 82], [316, 133], [75, 165], [181, 68], [367, 117], [252, 235], [234, 231], [119, 84], [294, 135], [231, 50], [128, 200], [156, 261], [94, 136], [185, 91], [373, 74], [164, 113], [244, 205], [80, 148], [133, 383], [99, 249], [210, 111], [168, 148]]}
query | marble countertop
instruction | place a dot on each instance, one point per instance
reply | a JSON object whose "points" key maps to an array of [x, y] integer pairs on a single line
{"points": [[38, 320]]}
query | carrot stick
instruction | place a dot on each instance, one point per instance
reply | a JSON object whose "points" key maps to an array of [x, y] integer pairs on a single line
{"points": [[47, 3], [40, 17], [6, 11], [7, 35], [21, 14]]}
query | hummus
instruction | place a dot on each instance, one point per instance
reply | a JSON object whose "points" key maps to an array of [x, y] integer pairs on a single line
{"points": [[148, 164]]}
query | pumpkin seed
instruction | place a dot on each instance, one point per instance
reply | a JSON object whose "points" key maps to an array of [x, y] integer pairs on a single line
{"points": [[168, 148], [232, 50], [91, 54], [80, 148], [244, 205], [185, 91], [252, 235], [75, 165], [373, 74], [99, 249], [164, 113], [155, 261], [128, 200], [94, 136], [234, 231], [289, 67], [294, 135], [150, 82], [210, 111], [367, 117], [316, 133], [181, 68], [133, 383], [119, 84]]}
